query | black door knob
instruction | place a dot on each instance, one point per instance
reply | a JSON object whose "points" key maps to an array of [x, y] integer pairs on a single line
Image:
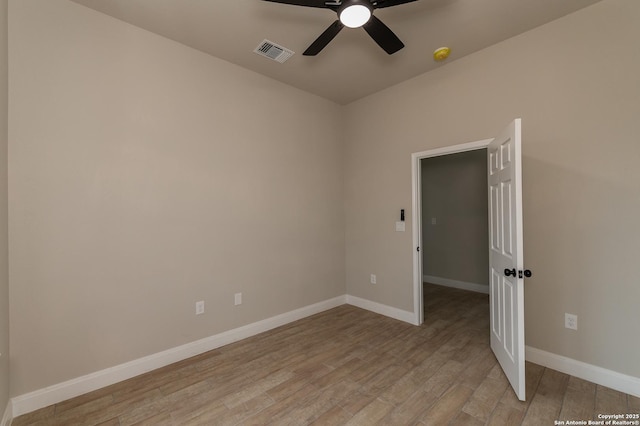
{"points": [[508, 272]]}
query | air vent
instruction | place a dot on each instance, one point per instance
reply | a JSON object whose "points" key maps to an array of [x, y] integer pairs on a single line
{"points": [[270, 50]]}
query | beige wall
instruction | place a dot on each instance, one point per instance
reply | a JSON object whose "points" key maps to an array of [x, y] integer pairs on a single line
{"points": [[4, 253], [145, 176], [454, 193], [575, 84]]}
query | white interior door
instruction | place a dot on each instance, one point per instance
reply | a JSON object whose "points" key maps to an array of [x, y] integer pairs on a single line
{"points": [[505, 254]]}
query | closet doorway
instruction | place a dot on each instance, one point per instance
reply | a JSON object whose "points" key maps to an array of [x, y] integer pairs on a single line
{"points": [[454, 221]]}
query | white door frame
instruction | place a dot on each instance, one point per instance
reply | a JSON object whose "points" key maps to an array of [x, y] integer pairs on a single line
{"points": [[416, 185]]}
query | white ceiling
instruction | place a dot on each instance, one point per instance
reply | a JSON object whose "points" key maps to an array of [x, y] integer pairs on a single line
{"points": [[352, 65]]}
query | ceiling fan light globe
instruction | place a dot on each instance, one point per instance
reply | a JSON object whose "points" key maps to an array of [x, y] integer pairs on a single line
{"points": [[355, 16]]}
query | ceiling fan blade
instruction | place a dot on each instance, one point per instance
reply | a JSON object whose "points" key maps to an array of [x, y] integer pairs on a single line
{"points": [[388, 3], [383, 35], [324, 39], [307, 3]]}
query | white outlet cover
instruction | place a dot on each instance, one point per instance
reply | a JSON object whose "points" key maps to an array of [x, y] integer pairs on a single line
{"points": [[200, 307], [238, 299], [571, 321], [373, 279]]}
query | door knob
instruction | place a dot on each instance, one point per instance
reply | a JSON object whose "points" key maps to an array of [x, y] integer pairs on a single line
{"points": [[512, 272]]}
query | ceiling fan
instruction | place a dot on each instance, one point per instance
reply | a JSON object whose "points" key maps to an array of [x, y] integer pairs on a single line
{"points": [[353, 14]]}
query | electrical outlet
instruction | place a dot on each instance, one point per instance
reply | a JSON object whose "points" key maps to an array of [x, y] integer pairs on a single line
{"points": [[571, 321], [238, 299], [200, 307], [373, 279]]}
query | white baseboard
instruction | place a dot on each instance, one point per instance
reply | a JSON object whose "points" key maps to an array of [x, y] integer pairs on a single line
{"points": [[462, 285], [381, 309], [62, 391], [601, 376], [7, 416]]}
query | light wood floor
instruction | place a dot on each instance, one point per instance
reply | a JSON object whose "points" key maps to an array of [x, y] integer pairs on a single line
{"points": [[347, 366]]}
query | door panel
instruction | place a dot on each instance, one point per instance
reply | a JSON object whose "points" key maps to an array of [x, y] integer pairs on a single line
{"points": [[496, 300], [507, 234], [505, 252]]}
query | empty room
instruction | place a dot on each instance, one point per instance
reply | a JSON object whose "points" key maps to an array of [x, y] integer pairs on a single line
{"points": [[223, 212]]}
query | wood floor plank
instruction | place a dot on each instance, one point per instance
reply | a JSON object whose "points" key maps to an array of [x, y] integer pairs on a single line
{"points": [[111, 422], [200, 414], [94, 412], [402, 389], [430, 366], [444, 377], [249, 392], [579, 400], [533, 375], [371, 414], [356, 402], [448, 406], [229, 417], [506, 415], [382, 380], [609, 401], [411, 409], [321, 402], [335, 416], [464, 419], [485, 398], [339, 373], [372, 365], [282, 408], [478, 368], [143, 412], [161, 419], [288, 387], [346, 366], [547, 402]]}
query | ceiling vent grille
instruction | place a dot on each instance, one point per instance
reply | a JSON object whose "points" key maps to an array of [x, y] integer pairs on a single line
{"points": [[270, 50]]}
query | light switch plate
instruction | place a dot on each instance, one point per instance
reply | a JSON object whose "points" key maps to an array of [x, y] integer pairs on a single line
{"points": [[400, 227]]}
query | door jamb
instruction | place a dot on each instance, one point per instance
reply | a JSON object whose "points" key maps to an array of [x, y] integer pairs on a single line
{"points": [[416, 199]]}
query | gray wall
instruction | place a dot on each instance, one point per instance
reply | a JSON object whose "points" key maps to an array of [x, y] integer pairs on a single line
{"points": [[4, 253], [148, 176], [574, 82], [454, 192]]}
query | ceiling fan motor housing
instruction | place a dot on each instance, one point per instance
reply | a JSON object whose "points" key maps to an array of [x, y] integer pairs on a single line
{"points": [[355, 12]]}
